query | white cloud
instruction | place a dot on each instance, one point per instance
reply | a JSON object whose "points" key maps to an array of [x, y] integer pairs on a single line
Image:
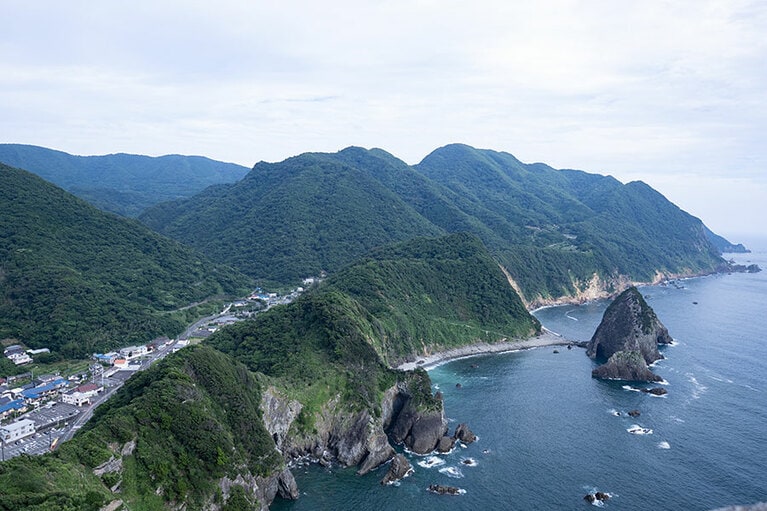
{"points": [[619, 87]]}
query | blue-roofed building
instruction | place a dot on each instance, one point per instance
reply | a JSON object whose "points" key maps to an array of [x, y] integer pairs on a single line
{"points": [[106, 358], [8, 406], [41, 391]]}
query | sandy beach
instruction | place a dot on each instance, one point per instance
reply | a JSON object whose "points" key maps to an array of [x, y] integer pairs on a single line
{"points": [[547, 338]]}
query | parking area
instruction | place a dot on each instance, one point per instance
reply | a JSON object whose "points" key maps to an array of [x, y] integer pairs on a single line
{"points": [[55, 414]]}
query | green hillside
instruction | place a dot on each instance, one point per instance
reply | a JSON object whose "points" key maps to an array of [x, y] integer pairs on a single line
{"points": [[294, 219], [122, 183], [75, 279], [180, 426], [430, 294], [423, 295], [178, 431], [552, 230]]}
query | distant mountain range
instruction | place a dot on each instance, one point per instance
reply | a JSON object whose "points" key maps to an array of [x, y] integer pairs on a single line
{"points": [[556, 232], [125, 184], [74, 279]]}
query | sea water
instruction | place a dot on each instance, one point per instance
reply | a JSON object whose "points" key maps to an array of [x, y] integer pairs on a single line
{"points": [[549, 433]]}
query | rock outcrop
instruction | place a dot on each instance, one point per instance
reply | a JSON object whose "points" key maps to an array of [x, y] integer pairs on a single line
{"points": [[625, 365], [262, 489], [420, 429], [464, 434], [627, 339], [399, 468], [444, 490], [445, 444]]}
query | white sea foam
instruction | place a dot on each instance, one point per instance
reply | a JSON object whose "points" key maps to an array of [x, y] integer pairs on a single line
{"points": [[630, 388], [568, 316], [613, 411], [698, 388], [453, 472], [469, 462], [431, 461], [664, 445], [639, 430], [722, 379]]}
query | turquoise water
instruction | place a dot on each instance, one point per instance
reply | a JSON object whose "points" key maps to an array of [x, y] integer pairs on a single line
{"points": [[549, 433]]}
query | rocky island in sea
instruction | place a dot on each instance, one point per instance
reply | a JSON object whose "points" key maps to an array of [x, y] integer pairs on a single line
{"points": [[627, 340]]}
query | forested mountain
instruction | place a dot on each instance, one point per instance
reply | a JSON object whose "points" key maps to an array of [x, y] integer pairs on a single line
{"points": [[122, 183], [556, 232], [725, 246], [293, 219], [74, 279], [421, 295]]}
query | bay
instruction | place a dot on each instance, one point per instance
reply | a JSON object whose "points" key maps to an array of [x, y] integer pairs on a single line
{"points": [[549, 433]]}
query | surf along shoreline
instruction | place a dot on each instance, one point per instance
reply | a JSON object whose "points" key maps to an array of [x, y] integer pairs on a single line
{"points": [[546, 338]]}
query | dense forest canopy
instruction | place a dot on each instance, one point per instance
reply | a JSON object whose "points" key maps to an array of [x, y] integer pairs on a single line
{"points": [[75, 279], [125, 184], [552, 230]]}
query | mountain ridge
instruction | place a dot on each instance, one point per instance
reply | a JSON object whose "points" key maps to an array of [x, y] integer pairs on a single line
{"points": [[120, 182], [554, 231], [75, 279]]}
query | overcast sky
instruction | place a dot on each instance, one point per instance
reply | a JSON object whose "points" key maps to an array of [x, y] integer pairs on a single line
{"points": [[670, 92]]}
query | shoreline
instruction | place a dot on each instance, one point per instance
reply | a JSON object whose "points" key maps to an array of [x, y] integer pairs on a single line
{"points": [[546, 338]]}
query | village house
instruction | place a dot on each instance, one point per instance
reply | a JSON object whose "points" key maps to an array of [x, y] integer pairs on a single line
{"points": [[9, 406], [81, 395], [41, 392], [133, 352], [17, 355], [106, 358], [17, 430]]}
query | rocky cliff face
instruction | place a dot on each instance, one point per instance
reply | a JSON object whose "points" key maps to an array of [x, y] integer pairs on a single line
{"points": [[419, 429], [351, 438], [627, 339], [625, 365]]}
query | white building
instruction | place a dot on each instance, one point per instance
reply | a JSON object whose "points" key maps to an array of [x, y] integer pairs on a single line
{"points": [[81, 395], [20, 358], [134, 351], [16, 430]]}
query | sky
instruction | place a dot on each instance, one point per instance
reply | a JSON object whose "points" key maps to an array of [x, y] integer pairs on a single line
{"points": [[670, 92]]}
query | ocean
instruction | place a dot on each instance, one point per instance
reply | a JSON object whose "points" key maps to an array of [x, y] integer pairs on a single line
{"points": [[549, 433]]}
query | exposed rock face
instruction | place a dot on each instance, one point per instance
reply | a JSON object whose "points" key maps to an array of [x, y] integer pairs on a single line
{"points": [[419, 430], [278, 414], [379, 452], [464, 434], [445, 444], [399, 468], [444, 490], [625, 365], [262, 489], [627, 338]]}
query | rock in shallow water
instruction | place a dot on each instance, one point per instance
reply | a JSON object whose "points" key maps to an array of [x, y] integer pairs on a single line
{"points": [[399, 468]]}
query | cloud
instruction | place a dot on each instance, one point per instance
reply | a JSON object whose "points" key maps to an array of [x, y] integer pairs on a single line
{"points": [[613, 86]]}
